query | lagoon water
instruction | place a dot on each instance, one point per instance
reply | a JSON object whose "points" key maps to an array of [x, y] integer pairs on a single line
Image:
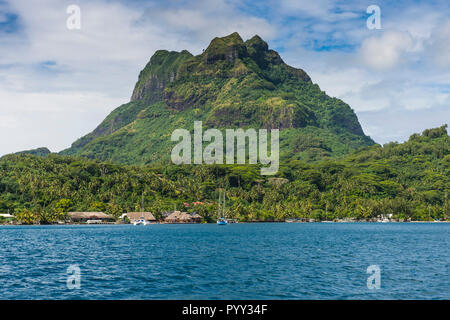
{"points": [[238, 261]]}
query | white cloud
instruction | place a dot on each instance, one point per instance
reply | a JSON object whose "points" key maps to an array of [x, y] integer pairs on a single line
{"points": [[30, 120], [7, 122], [326, 10], [205, 20], [439, 45], [426, 99], [318, 8], [386, 51], [397, 124]]}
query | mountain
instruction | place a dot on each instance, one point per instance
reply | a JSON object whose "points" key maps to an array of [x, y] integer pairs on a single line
{"points": [[231, 84]]}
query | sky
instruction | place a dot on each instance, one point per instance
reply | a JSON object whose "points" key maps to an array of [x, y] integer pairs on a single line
{"points": [[58, 83]]}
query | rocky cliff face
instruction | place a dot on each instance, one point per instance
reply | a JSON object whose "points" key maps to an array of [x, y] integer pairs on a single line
{"points": [[226, 57], [161, 70]]}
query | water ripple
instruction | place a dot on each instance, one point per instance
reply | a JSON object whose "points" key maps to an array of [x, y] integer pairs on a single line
{"points": [[241, 261]]}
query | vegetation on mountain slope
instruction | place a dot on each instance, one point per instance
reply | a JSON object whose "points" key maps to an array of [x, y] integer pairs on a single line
{"points": [[38, 152], [231, 84]]}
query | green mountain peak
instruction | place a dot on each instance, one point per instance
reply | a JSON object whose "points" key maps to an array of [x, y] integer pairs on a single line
{"points": [[231, 84], [160, 70], [227, 48]]}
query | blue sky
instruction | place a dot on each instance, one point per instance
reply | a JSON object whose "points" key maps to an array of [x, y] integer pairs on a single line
{"points": [[57, 84]]}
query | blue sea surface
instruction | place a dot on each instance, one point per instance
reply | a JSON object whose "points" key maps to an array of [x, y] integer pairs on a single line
{"points": [[237, 261]]}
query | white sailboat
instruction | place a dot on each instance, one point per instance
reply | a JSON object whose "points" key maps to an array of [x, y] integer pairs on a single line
{"points": [[221, 219], [141, 221]]}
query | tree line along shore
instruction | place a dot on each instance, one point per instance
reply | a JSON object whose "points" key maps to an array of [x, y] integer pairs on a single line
{"points": [[407, 181]]}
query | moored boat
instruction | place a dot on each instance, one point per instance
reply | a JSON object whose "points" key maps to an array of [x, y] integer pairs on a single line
{"points": [[140, 222], [221, 220]]}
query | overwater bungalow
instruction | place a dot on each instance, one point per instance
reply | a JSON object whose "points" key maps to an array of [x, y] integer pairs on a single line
{"points": [[196, 218], [173, 217], [183, 217], [90, 217]]}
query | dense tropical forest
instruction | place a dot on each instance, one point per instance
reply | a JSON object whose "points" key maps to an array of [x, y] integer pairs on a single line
{"points": [[410, 180]]}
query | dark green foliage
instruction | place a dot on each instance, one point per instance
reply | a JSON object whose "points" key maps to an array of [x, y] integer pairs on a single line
{"points": [[409, 180], [36, 152]]}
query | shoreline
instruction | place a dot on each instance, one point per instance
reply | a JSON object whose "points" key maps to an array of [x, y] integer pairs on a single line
{"points": [[213, 223]]}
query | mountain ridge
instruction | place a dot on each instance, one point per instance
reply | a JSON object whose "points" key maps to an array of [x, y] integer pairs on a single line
{"points": [[231, 84]]}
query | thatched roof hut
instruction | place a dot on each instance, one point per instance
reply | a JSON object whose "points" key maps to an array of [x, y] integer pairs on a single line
{"points": [[183, 217], [173, 217], [134, 216], [85, 216], [195, 217]]}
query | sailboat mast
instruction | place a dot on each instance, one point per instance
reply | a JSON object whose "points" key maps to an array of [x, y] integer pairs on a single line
{"points": [[223, 214], [142, 206], [218, 205]]}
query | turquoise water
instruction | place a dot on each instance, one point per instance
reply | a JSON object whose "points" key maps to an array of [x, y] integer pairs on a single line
{"points": [[238, 261]]}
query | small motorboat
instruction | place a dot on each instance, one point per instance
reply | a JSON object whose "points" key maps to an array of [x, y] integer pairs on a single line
{"points": [[222, 221]]}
